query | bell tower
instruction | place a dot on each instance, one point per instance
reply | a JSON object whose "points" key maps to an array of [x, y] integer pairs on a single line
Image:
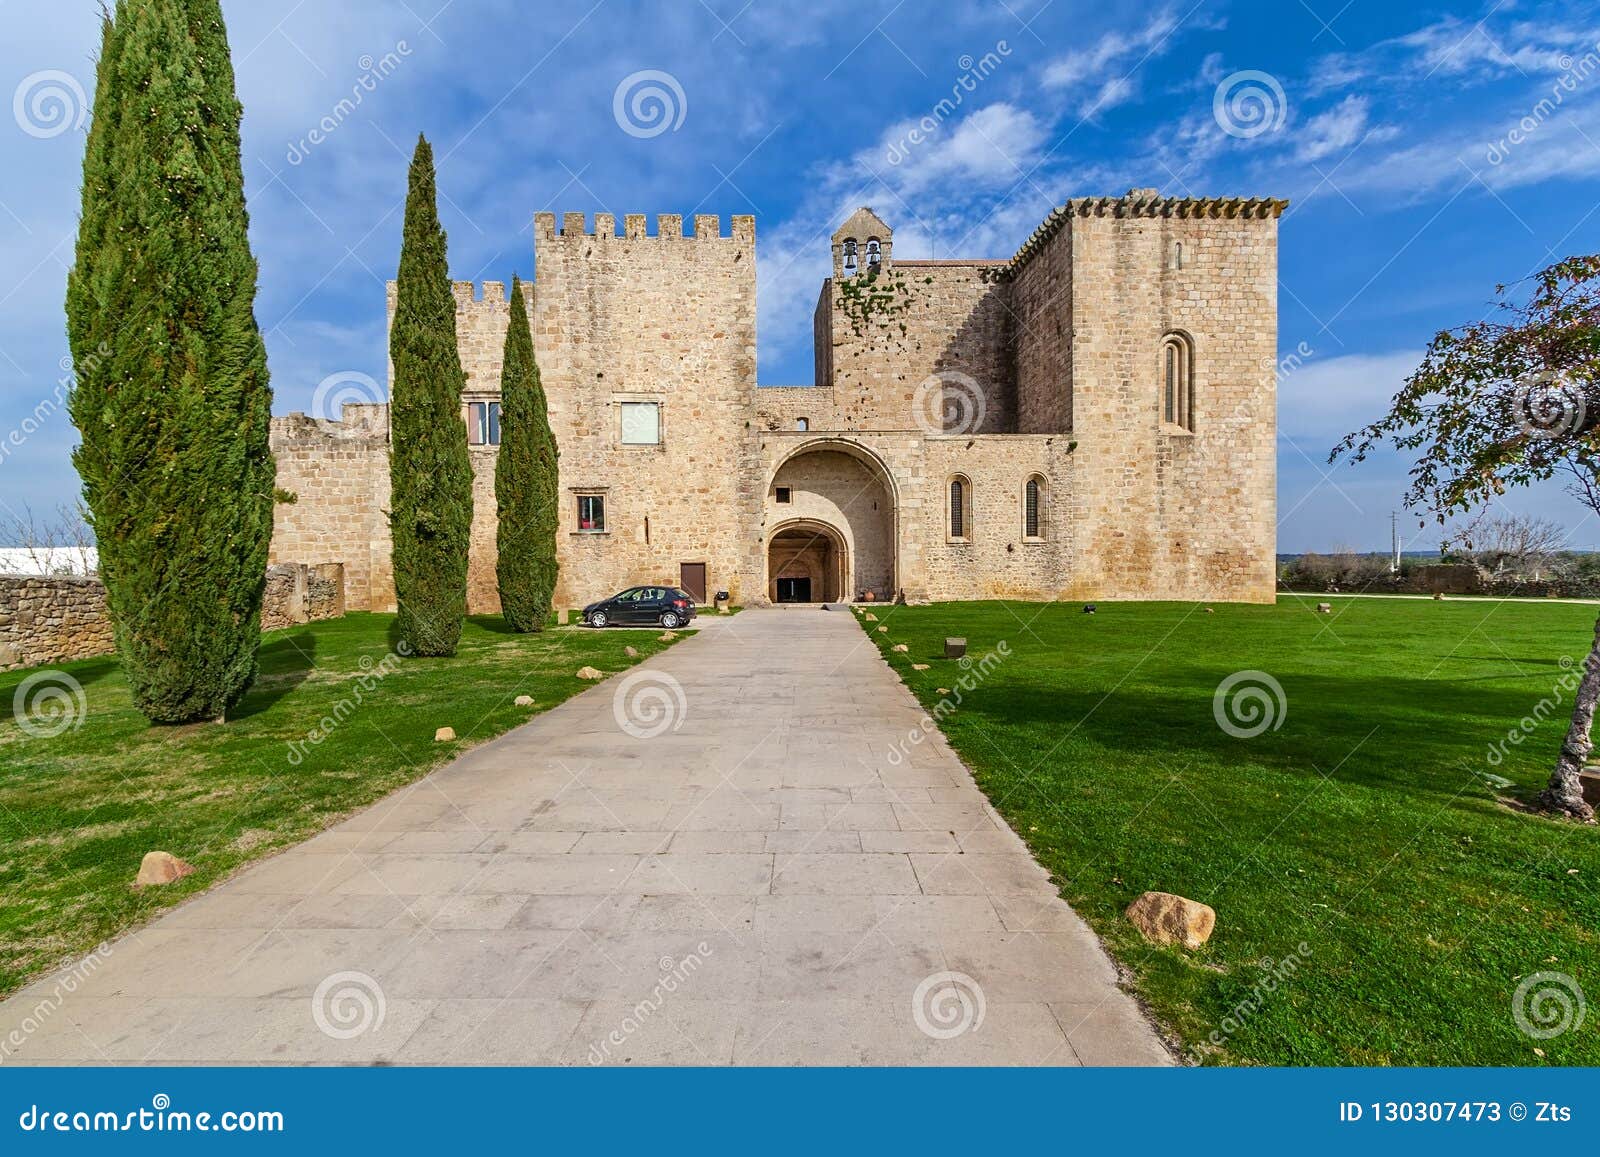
{"points": [[862, 245]]}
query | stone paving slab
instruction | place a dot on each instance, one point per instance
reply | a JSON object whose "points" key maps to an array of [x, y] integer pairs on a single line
{"points": [[726, 870]]}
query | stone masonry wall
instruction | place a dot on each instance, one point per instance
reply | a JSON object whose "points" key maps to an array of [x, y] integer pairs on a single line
{"points": [[1163, 513], [1062, 345], [297, 593], [663, 318], [781, 408], [58, 618], [338, 473], [911, 471], [840, 491], [891, 332], [1041, 297], [52, 619]]}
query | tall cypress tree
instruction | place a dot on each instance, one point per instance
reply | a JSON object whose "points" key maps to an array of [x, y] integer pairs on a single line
{"points": [[525, 482], [430, 472], [172, 399]]}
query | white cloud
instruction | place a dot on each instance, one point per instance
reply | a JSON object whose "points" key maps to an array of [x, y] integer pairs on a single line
{"points": [[1323, 400], [1337, 129], [997, 143], [1086, 67], [1116, 91]]}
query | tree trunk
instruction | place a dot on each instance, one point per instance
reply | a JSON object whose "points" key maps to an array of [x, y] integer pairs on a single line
{"points": [[1564, 793]]}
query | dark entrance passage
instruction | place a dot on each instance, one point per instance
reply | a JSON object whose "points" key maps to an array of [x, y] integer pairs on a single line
{"points": [[806, 561]]}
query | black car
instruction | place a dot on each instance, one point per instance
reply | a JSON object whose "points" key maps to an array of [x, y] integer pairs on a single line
{"points": [[642, 607]]}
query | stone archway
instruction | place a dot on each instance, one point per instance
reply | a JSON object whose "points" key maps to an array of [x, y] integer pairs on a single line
{"points": [[831, 508], [807, 562]]}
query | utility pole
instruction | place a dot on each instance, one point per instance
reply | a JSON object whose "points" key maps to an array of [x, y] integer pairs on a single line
{"points": [[1394, 542]]}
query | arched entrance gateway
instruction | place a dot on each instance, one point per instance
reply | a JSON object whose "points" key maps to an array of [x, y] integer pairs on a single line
{"points": [[832, 529], [807, 562]]}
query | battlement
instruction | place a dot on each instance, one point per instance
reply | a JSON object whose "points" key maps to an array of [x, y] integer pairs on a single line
{"points": [[468, 293], [669, 227], [1148, 203], [358, 422]]}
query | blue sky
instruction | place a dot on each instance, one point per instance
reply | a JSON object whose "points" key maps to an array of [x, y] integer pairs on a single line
{"points": [[1430, 152]]}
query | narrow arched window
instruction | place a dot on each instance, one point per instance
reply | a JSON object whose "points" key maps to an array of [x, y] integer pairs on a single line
{"points": [[1177, 382], [802, 423], [960, 511], [1033, 508], [1177, 255]]}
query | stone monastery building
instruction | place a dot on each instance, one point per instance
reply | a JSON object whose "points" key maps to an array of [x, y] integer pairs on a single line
{"points": [[1094, 418]]}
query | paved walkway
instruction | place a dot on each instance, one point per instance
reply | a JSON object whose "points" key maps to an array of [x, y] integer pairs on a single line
{"points": [[757, 884]]}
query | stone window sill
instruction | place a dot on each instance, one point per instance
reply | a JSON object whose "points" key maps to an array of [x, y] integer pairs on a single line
{"points": [[1176, 431], [590, 533]]}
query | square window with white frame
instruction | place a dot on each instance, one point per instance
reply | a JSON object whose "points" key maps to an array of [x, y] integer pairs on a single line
{"points": [[641, 423]]}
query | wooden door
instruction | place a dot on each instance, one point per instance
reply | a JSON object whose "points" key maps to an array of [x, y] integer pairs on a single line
{"points": [[692, 578]]}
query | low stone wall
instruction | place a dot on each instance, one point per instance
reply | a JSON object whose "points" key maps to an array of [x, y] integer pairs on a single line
{"points": [[55, 619], [50, 619], [298, 593], [1447, 579]]}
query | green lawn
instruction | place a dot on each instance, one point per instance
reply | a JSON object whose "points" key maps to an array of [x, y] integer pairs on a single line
{"points": [[1362, 827], [79, 810]]}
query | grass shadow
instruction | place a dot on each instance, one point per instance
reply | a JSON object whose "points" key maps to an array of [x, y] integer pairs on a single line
{"points": [[285, 663], [1341, 728]]}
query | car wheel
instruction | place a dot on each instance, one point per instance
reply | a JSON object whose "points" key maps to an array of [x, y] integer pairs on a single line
{"points": [[598, 619], [671, 621]]}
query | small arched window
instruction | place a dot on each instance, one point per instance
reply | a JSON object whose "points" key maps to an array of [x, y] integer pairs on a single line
{"points": [[1177, 255], [959, 514], [1177, 382], [802, 423], [1033, 511], [874, 254], [849, 255]]}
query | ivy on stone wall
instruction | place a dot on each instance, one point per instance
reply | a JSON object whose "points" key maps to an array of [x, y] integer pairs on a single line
{"points": [[871, 298]]}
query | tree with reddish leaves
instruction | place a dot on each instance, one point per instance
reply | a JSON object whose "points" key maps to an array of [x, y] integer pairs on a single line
{"points": [[1508, 401]]}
